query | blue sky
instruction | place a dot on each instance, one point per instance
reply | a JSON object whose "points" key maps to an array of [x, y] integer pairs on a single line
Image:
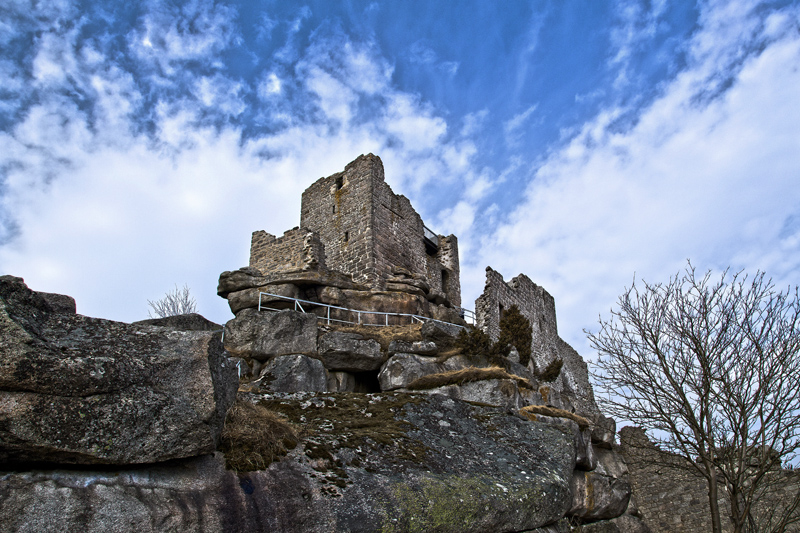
{"points": [[580, 143]]}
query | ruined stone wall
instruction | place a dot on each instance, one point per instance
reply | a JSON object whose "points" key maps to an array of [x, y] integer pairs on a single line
{"points": [[446, 261], [398, 233], [298, 249], [670, 496], [339, 210], [533, 301], [369, 231], [673, 498]]}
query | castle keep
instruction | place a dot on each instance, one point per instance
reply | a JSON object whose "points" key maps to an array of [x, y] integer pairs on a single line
{"points": [[354, 227]]}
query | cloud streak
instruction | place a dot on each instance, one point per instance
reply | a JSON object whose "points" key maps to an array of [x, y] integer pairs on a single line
{"points": [[711, 178]]}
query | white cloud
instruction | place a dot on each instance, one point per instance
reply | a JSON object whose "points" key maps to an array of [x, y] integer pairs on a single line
{"points": [[514, 126], [421, 53], [115, 214], [712, 180], [221, 93], [170, 34]]}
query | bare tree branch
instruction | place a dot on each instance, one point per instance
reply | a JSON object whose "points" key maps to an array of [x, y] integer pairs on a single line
{"points": [[177, 302], [710, 367]]}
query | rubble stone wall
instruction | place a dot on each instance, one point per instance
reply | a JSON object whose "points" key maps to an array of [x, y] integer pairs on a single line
{"points": [[368, 231], [339, 210], [533, 301], [446, 261], [398, 232], [298, 249], [673, 498]]}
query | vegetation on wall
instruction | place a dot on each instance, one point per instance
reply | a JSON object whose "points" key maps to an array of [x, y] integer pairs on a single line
{"points": [[515, 330]]}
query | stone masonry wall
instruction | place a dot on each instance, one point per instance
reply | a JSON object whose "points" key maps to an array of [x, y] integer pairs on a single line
{"points": [[571, 390], [533, 301], [446, 260], [398, 232], [673, 498], [298, 249], [339, 210], [368, 231]]}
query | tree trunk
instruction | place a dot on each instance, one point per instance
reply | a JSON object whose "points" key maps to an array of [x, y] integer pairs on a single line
{"points": [[713, 499]]}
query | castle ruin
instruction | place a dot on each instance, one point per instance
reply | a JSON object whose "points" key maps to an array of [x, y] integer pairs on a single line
{"points": [[361, 246], [354, 227]]}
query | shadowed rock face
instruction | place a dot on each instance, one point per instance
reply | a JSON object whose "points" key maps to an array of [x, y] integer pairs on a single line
{"points": [[75, 389], [414, 463], [151, 400]]}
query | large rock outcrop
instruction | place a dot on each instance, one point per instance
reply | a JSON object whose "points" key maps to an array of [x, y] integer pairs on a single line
{"points": [[82, 390], [450, 450], [411, 463]]}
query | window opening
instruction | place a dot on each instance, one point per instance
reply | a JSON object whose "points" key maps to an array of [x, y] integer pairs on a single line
{"points": [[339, 182], [346, 236], [333, 210], [445, 280]]}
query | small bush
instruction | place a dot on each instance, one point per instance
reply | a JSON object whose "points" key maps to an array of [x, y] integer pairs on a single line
{"points": [[552, 371], [474, 341], [515, 330], [254, 437]]}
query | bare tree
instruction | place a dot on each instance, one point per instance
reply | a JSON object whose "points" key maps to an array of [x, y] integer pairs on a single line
{"points": [[177, 302], [711, 368]]}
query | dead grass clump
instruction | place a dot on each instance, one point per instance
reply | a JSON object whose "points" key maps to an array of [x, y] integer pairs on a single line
{"points": [[447, 354], [458, 377], [254, 437], [531, 411], [384, 334]]}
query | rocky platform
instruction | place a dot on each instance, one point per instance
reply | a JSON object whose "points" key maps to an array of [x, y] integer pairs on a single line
{"points": [[106, 426]]}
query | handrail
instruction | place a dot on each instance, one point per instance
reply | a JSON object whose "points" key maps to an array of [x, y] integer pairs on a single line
{"points": [[466, 314], [298, 301]]}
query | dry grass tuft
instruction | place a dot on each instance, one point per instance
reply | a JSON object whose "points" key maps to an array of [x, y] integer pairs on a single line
{"points": [[447, 354], [457, 377], [254, 437], [531, 411]]}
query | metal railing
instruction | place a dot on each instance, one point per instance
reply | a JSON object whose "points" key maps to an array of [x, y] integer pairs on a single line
{"points": [[467, 314], [360, 315]]}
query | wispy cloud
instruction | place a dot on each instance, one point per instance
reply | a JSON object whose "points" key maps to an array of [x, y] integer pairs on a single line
{"points": [[118, 192], [711, 179]]}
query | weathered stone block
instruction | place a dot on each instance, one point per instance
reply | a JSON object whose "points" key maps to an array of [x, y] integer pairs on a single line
{"points": [[403, 368], [350, 352], [82, 390], [293, 373], [249, 298], [498, 392], [586, 458], [187, 322], [265, 334], [444, 335], [515, 483], [417, 347], [598, 497], [611, 464], [603, 431]]}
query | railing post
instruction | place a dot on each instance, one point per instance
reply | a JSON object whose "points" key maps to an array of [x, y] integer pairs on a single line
{"points": [[329, 316]]}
